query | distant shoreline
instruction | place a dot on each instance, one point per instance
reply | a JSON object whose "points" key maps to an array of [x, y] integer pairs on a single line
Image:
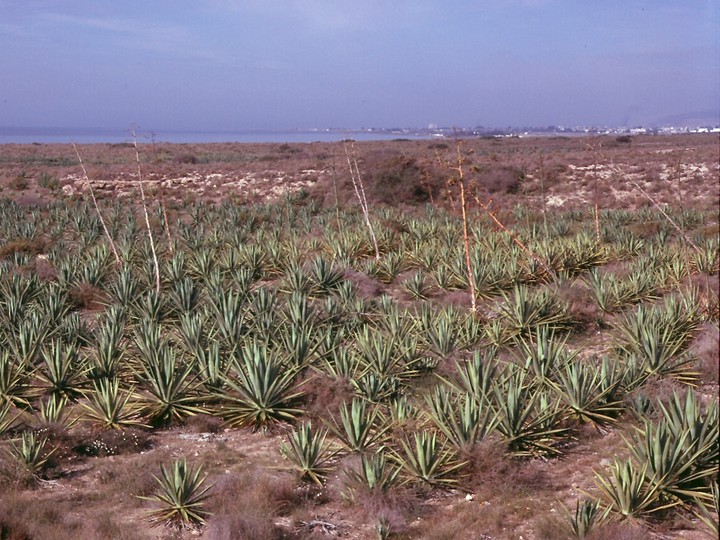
{"points": [[98, 136], [20, 136]]}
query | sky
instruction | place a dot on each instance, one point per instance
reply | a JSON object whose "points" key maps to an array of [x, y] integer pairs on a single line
{"points": [[301, 64]]}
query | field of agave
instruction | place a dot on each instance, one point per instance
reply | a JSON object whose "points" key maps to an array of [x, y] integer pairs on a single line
{"points": [[373, 381]]}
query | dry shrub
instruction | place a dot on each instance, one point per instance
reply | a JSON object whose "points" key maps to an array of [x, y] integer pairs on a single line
{"points": [[367, 287], [402, 179], [13, 475], [499, 179], [474, 520], [388, 178], [87, 296], [323, 396], [33, 246], [646, 229], [247, 504], [706, 349], [25, 517], [132, 477], [493, 473], [583, 311], [44, 270], [19, 183], [59, 520], [104, 526], [618, 531], [394, 506], [204, 423], [186, 158], [556, 527]]}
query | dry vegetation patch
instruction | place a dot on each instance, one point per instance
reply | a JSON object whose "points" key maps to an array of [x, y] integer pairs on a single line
{"points": [[400, 413]]}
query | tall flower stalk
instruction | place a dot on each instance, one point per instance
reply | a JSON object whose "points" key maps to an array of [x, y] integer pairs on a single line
{"points": [[97, 208], [360, 193], [145, 211]]}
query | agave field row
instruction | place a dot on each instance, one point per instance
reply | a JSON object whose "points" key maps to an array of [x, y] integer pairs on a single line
{"points": [[258, 305]]}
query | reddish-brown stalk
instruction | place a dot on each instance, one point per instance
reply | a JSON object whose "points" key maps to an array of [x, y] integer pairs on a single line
{"points": [[512, 235], [460, 179]]}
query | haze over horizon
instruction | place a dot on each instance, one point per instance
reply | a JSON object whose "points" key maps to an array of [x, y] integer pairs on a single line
{"points": [[252, 65]]}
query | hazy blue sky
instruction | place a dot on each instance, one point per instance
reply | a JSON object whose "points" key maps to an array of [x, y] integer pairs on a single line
{"points": [[273, 64]]}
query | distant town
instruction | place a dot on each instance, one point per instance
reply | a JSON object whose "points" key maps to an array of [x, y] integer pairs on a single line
{"points": [[433, 131]]}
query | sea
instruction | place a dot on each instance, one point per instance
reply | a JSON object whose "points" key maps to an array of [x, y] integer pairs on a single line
{"points": [[12, 135]]}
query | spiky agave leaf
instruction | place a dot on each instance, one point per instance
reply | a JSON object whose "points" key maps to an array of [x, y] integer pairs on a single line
{"points": [[462, 419], [375, 475], [627, 493], [110, 407], [181, 496], [429, 461], [308, 452], [261, 390], [168, 387], [30, 451], [359, 429], [581, 387], [586, 515]]}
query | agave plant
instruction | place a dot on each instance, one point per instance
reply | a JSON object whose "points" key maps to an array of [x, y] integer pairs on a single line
{"points": [[529, 426], [627, 493], [63, 371], [31, 452], [260, 390], [429, 461], [54, 410], [325, 278], [440, 330], [463, 419], [709, 512], [15, 376], [476, 376], [586, 515], [308, 452], [169, 388], [677, 465], [109, 407], [582, 389], [181, 496], [416, 286], [125, 289], [657, 339], [544, 354], [6, 420], [374, 475], [686, 416], [360, 427], [525, 311]]}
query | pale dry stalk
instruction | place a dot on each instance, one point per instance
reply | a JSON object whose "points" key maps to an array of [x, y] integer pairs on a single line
{"points": [[165, 219], [145, 210], [596, 194], [97, 208], [360, 193], [542, 192]]}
